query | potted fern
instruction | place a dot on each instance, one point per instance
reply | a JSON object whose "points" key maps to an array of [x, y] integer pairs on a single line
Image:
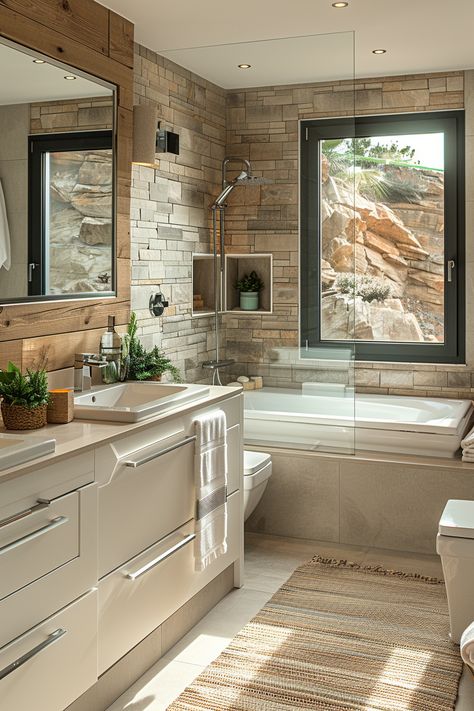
{"points": [[144, 364], [249, 286], [24, 398]]}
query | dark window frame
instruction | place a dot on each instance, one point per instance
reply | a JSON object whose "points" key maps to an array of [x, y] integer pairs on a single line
{"points": [[312, 131], [38, 146]]}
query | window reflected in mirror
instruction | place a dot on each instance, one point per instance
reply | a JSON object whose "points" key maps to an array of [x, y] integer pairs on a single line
{"points": [[71, 232], [57, 181]]}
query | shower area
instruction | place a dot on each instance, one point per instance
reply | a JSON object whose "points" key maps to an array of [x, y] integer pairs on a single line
{"points": [[298, 394], [296, 222]]}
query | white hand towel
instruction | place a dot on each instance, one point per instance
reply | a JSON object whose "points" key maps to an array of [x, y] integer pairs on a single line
{"points": [[5, 246], [468, 455], [211, 484], [467, 646]]}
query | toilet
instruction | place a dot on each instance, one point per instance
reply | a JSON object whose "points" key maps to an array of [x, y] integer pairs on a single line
{"points": [[257, 471], [455, 545]]}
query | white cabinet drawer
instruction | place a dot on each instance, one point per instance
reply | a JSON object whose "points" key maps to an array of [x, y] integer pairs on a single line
{"points": [[37, 541], [234, 459], [46, 482], [49, 571], [54, 663], [139, 596], [145, 502]]}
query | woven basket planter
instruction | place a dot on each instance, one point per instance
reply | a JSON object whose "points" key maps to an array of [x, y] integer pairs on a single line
{"points": [[17, 417]]}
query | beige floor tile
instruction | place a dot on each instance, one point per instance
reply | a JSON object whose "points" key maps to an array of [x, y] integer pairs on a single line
{"points": [[156, 689], [270, 560], [212, 635]]}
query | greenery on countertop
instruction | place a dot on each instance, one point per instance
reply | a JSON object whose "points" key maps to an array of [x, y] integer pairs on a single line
{"points": [[29, 390], [250, 283], [144, 364]]}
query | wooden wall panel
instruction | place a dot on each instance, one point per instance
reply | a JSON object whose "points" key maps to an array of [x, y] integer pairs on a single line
{"points": [[80, 38], [85, 21], [60, 353], [121, 39]]}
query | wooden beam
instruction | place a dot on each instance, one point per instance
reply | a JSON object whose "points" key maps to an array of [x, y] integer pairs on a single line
{"points": [[30, 33], [85, 21], [120, 39]]}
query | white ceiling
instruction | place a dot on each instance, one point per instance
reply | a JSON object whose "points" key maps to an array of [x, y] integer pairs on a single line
{"points": [[22, 81], [419, 35]]}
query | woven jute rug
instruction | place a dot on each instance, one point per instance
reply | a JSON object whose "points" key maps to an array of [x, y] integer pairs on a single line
{"points": [[338, 635]]}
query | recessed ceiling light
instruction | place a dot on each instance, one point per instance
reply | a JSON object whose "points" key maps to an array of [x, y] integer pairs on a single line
{"points": [[340, 4], [39, 61], [379, 51], [244, 66], [69, 77]]}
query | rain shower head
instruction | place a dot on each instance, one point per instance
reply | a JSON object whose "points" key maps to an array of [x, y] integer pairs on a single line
{"points": [[245, 179]]}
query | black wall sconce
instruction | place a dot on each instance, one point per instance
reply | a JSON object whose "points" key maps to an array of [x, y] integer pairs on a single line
{"points": [[167, 141], [157, 304]]}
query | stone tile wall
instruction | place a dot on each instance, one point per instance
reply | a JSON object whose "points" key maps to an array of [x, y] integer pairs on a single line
{"points": [[262, 126], [73, 115], [170, 216], [170, 207]]}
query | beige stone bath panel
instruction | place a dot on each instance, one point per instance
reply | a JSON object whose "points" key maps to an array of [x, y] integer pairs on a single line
{"points": [[301, 501], [397, 506]]}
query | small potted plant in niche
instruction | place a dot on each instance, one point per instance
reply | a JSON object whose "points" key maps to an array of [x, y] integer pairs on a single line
{"points": [[144, 364], [249, 286], [24, 398]]}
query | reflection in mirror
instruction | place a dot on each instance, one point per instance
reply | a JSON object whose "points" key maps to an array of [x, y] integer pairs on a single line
{"points": [[56, 181]]}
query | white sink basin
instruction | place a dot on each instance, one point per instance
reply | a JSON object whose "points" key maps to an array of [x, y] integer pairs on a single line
{"points": [[134, 401], [18, 449]]}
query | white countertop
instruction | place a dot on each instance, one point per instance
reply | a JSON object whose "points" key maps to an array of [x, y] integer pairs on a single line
{"points": [[84, 434]]}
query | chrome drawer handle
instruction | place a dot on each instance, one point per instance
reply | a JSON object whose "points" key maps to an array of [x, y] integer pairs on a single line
{"points": [[153, 563], [39, 506], [155, 455], [54, 523], [51, 639]]}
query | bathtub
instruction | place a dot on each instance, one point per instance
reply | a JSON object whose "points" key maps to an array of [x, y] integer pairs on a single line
{"points": [[341, 423]]}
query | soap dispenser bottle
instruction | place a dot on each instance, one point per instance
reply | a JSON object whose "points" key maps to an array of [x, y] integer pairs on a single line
{"points": [[110, 350]]}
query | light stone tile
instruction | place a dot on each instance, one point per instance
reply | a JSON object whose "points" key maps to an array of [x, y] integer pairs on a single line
{"points": [[156, 689], [313, 512], [212, 635], [396, 378], [396, 506], [430, 379]]}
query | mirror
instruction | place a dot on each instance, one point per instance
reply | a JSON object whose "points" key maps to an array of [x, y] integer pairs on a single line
{"points": [[57, 177]]}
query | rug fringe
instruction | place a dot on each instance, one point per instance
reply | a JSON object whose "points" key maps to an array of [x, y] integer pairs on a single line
{"points": [[378, 569]]}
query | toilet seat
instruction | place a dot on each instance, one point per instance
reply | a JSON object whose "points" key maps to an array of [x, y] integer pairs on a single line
{"points": [[457, 519], [257, 468]]}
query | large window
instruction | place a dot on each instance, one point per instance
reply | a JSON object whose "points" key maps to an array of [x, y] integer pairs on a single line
{"points": [[382, 236]]}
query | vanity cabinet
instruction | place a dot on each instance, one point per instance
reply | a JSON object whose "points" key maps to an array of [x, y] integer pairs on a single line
{"points": [[52, 664], [48, 574], [97, 551], [146, 527]]}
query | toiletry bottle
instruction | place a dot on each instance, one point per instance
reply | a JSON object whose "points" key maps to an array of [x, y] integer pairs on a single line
{"points": [[110, 349]]}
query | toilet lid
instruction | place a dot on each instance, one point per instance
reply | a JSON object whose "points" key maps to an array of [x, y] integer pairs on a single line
{"points": [[253, 461], [457, 519]]}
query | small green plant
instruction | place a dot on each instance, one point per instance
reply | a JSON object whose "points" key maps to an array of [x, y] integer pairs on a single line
{"points": [[143, 364], [250, 283], [29, 390], [369, 288]]}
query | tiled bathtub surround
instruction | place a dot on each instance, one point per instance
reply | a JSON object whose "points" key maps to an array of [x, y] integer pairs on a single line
{"points": [[375, 501], [170, 215]]}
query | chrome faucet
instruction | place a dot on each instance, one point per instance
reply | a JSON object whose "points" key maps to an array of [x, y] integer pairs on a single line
{"points": [[83, 364]]}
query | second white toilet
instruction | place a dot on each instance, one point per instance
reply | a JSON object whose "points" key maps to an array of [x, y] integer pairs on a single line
{"points": [[455, 545], [257, 471]]}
